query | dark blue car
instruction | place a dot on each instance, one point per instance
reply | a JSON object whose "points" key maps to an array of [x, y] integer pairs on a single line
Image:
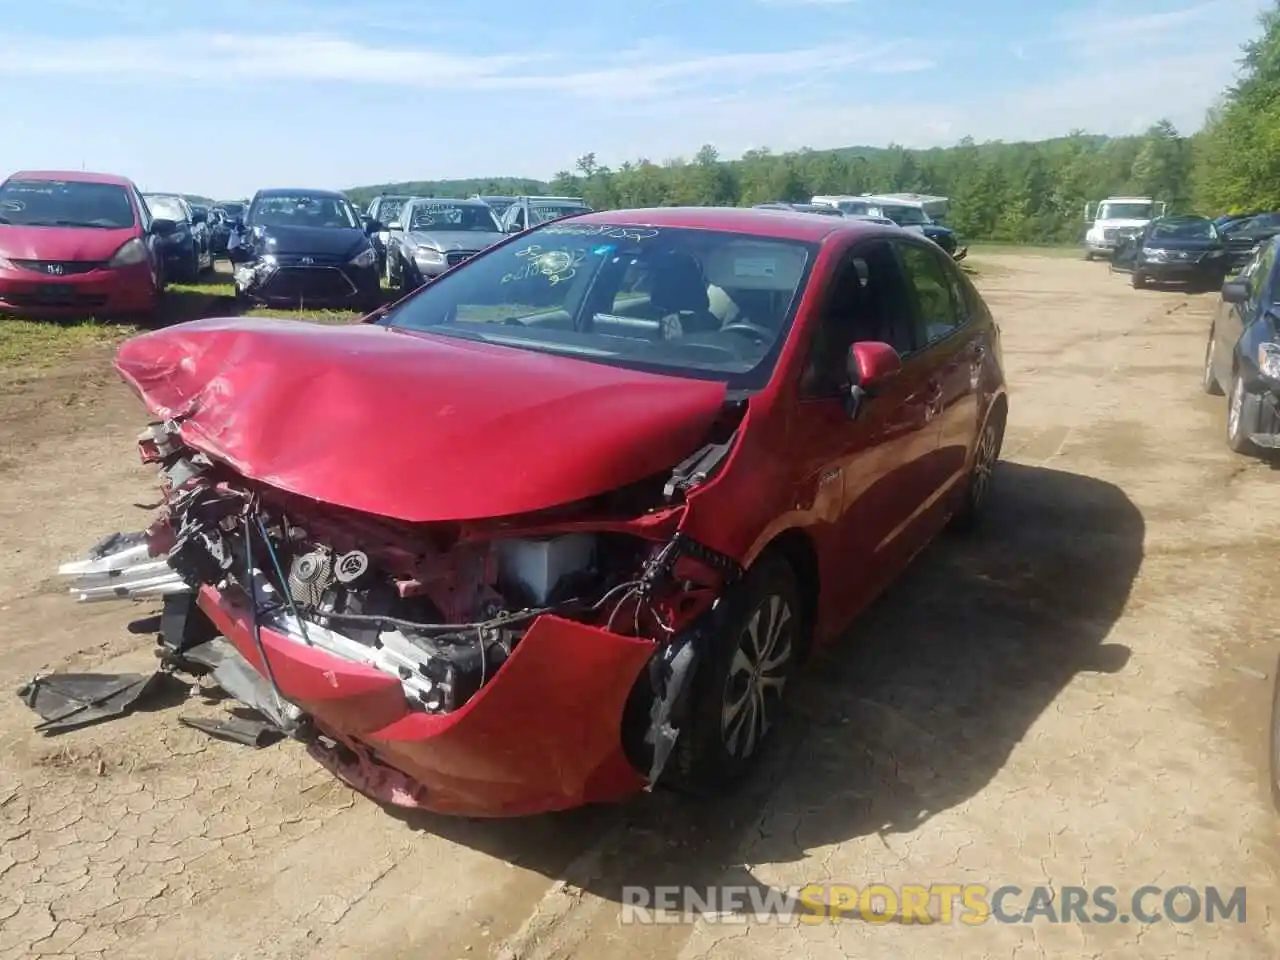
{"points": [[1242, 357]]}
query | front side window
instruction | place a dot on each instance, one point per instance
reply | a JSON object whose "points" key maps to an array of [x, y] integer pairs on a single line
{"points": [[302, 210], [54, 203], [683, 301], [934, 295]]}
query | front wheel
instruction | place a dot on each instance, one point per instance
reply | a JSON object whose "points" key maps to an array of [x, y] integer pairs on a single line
{"points": [[1139, 280], [739, 684], [1243, 411], [1209, 380], [1088, 255], [986, 455]]}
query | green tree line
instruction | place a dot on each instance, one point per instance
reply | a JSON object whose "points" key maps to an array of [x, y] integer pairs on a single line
{"points": [[1033, 192]]}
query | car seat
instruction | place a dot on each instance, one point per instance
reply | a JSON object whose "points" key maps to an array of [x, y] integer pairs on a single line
{"points": [[679, 290]]}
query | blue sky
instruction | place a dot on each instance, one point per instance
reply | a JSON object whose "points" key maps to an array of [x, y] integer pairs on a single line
{"points": [[222, 98]]}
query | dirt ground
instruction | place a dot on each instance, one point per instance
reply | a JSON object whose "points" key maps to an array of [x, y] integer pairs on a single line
{"points": [[1076, 696]]}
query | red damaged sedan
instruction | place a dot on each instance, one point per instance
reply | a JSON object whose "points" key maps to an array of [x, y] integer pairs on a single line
{"points": [[562, 523]]}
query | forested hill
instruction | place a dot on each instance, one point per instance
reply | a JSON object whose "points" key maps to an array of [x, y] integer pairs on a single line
{"points": [[1014, 192]]}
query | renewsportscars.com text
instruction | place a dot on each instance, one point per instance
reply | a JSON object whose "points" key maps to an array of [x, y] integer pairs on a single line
{"points": [[970, 904]]}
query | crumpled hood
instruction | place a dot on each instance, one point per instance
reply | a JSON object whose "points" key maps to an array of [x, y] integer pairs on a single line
{"points": [[412, 426], [446, 240], [326, 241], [62, 243]]}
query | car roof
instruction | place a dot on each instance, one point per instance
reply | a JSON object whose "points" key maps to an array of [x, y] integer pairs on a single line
{"points": [[72, 176], [300, 191], [782, 224]]}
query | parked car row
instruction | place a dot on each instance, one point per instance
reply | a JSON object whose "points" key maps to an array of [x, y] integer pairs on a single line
{"points": [[908, 211], [1138, 237]]}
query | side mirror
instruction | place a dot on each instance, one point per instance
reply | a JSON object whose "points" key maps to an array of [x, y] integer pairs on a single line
{"points": [[372, 226], [514, 227], [236, 224], [868, 366], [1235, 291], [163, 228]]}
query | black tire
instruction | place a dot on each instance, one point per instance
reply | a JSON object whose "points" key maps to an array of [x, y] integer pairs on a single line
{"points": [[1088, 255], [1243, 412], [978, 488], [1273, 753], [717, 747], [1139, 279], [1209, 380]]}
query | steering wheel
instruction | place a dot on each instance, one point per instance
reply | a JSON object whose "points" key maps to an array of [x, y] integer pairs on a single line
{"points": [[758, 334]]}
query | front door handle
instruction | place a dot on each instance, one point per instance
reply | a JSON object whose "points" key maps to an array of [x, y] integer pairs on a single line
{"points": [[933, 400]]}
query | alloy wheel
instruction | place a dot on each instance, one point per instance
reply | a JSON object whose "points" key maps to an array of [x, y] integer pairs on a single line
{"points": [[757, 676], [984, 465], [1236, 407]]}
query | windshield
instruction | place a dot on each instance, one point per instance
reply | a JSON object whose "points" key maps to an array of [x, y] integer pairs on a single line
{"points": [[233, 210], [905, 216], [302, 210], [541, 212], [1125, 211], [166, 208], [672, 300], [1263, 225], [1183, 230], [499, 205], [54, 203], [469, 217], [854, 207], [389, 209]]}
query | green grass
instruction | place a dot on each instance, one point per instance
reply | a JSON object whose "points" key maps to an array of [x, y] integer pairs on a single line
{"points": [[42, 343]]}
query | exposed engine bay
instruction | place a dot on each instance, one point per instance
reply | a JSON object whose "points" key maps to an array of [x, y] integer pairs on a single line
{"points": [[439, 606]]}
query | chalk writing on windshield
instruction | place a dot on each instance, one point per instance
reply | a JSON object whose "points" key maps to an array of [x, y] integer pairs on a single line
{"points": [[599, 230], [556, 266]]}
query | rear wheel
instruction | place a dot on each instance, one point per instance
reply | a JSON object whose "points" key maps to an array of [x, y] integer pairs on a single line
{"points": [[1088, 255], [986, 455], [1242, 416], [739, 684], [1139, 280]]}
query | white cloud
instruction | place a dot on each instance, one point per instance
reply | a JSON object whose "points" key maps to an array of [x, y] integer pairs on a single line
{"points": [[224, 58]]}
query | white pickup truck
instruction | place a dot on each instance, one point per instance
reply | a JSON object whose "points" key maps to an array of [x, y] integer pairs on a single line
{"points": [[1107, 219]]}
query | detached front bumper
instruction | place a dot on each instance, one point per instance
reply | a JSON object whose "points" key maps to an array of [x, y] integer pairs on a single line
{"points": [[544, 734]]}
